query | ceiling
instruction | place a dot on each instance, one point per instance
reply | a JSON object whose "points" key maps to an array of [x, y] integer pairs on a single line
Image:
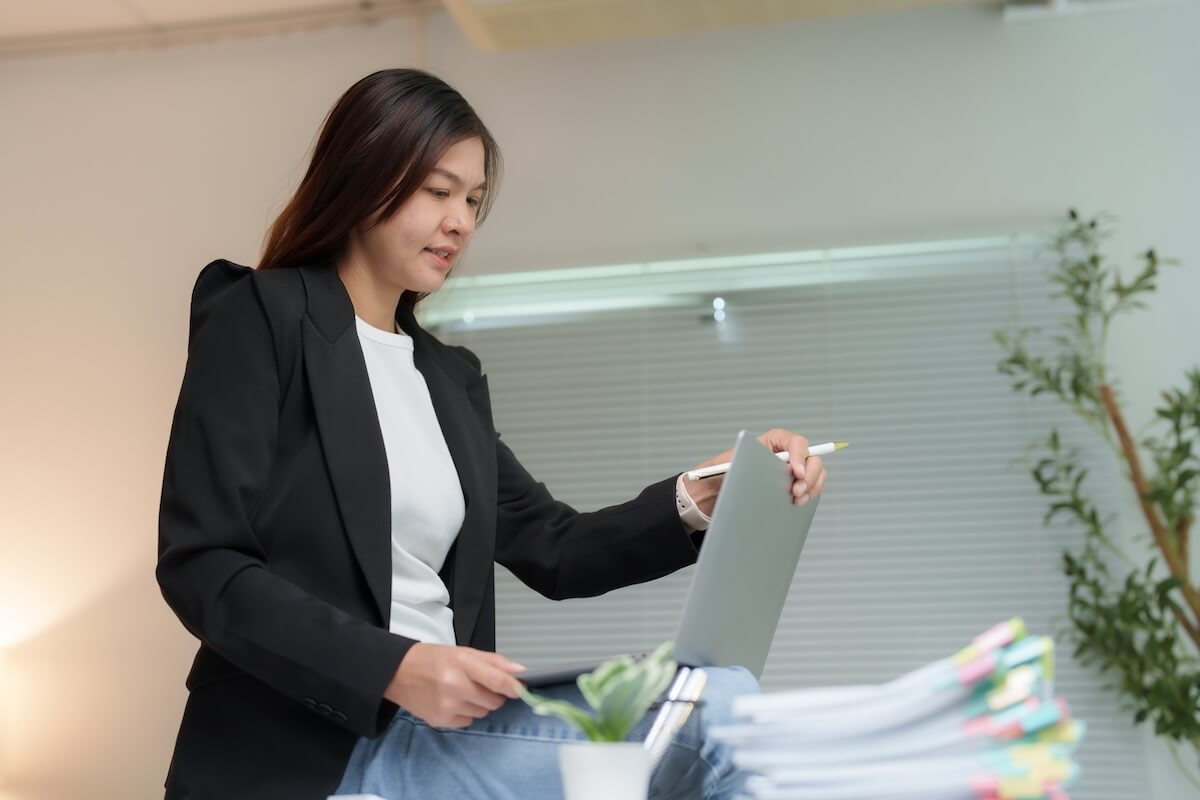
{"points": [[518, 24], [52, 26], [49, 26]]}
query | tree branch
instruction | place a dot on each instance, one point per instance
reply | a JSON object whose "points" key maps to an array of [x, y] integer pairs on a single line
{"points": [[1140, 485], [1142, 489], [1181, 536]]}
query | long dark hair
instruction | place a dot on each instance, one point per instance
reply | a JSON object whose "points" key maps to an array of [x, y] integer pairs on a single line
{"points": [[377, 146]]}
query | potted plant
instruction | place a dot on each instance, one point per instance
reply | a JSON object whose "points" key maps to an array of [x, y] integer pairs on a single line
{"points": [[619, 691], [1135, 618]]}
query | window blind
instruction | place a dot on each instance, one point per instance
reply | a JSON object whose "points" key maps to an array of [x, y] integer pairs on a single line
{"points": [[604, 380]]}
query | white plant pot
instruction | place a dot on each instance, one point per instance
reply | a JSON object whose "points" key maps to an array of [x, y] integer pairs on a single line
{"points": [[605, 770]]}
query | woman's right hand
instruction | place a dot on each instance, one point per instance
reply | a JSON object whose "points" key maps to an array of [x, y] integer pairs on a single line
{"points": [[449, 686]]}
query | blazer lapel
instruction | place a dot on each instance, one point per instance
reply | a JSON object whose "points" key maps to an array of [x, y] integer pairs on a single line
{"points": [[460, 400], [348, 426]]}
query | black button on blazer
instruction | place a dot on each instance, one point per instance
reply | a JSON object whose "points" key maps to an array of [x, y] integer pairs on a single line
{"points": [[275, 532]]}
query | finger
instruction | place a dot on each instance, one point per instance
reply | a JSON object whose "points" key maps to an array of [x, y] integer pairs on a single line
{"points": [[491, 679], [479, 710], [776, 439], [799, 490], [500, 662], [815, 489], [479, 701], [797, 448], [492, 689], [819, 486], [474, 681], [808, 476], [458, 721], [813, 467], [781, 439], [495, 679]]}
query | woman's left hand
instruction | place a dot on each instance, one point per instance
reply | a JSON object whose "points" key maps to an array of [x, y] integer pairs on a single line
{"points": [[808, 472]]}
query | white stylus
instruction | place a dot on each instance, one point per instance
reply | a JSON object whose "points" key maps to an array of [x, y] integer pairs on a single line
{"points": [[721, 469]]}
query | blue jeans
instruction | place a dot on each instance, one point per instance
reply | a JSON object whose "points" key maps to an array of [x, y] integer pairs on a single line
{"points": [[512, 754]]}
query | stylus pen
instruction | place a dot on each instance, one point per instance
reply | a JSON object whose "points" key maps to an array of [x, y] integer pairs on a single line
{"points": [[782, 455]]}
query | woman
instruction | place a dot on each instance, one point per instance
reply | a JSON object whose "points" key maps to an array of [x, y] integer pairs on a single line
{"points": [[335, 494]]}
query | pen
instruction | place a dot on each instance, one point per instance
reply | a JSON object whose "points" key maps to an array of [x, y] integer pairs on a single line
{"points": [[782, 455]]}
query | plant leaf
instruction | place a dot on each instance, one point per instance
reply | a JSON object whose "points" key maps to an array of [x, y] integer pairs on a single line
{"points": [[548, 707]]}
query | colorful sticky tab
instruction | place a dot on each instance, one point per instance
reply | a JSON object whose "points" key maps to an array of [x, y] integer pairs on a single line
{"points": [[993, 638]]}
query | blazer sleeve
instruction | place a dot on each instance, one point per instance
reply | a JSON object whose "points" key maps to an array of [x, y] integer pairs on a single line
{"points": [[212, 569], [561, 553]]}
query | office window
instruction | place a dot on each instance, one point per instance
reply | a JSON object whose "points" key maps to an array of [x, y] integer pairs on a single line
{"points": [[930, 531]]}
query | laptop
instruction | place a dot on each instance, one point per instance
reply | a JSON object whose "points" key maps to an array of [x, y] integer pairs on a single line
{"points": [[745, 569]]}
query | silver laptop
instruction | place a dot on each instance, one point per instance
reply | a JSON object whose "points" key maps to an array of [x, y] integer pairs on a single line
{"points": [[745, 570]]}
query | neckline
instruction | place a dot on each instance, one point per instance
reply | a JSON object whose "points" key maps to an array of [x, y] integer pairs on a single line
{"points": [[398, 340]]}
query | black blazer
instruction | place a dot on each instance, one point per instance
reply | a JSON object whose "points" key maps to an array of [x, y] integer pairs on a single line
{"points": [[275, 531]]}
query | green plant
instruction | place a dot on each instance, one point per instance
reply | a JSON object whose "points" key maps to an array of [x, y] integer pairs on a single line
{"points": [[620, 691], [1137, 624]]}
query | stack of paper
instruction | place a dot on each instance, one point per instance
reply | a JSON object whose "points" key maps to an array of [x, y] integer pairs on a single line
{"points": [[981, 725]]}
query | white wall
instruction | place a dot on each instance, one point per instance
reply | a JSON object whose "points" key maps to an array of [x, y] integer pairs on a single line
{"points": [[122, 174]]}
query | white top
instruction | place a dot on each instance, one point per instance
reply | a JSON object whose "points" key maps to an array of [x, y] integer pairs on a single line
{"points": [[427, 500]]}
